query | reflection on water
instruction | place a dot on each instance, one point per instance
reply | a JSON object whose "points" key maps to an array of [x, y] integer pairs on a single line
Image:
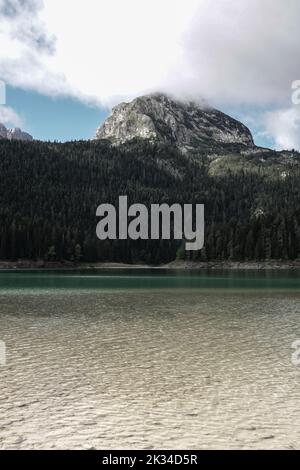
{"points": [[116, 361]]}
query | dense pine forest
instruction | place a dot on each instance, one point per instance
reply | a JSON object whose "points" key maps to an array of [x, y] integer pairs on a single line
{"points": [[49, 193]]}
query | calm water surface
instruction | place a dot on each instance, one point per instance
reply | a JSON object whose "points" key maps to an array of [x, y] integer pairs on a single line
{"points": [[149, 359]]}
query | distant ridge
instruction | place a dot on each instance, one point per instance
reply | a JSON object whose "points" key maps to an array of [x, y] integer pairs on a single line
{"points": [[13, 134]]}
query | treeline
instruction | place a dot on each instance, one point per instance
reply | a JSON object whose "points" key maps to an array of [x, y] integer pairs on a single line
{"points": [[49, 193]]}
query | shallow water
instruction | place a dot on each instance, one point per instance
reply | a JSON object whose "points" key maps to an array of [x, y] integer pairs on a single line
{"points": [[149, 360]]}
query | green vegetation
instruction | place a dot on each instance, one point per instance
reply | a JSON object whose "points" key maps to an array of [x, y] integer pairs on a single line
{"points": [[49, 193]]}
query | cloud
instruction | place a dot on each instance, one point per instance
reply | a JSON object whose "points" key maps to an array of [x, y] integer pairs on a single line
{"points": [[234, 53], [284, 127], [20, 23], [9, 116], [243, 52], [26, 45], [237, 52]]}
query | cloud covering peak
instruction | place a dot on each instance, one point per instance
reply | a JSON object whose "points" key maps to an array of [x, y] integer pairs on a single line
{"points": [[234, 53]]}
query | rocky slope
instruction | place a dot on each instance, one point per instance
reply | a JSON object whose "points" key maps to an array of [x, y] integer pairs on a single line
{"points": [[13, 134], [159, 118]]}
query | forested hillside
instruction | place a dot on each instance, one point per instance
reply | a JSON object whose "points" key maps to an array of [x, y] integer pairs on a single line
{"points": [[49, 193]]}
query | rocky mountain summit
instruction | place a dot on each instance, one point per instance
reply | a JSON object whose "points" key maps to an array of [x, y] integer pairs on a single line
{"points": [[160, 118], [13, 134]]}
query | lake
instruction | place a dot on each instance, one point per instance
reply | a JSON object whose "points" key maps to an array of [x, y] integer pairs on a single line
{"points": [[149, 359]]}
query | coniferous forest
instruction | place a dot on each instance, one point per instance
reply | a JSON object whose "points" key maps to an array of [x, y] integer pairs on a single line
{"points": [[49, 193]]}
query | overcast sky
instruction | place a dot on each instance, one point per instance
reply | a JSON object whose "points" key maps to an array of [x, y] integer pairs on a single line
{"points": [[240, 55]]}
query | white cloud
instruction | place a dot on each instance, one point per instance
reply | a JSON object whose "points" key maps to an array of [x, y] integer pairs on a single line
{"points": [[9, 116], [284, 127], [238, 51], [244, 51], [231, 52]]}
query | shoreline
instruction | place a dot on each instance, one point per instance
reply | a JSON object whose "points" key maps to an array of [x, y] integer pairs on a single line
{"points": [[24, 265]]}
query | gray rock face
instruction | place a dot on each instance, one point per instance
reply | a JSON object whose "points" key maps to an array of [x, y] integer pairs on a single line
{"points": [[159, 118], [13, 134], [18, 134], [3, 131]]}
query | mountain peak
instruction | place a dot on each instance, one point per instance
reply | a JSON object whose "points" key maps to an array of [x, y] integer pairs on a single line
{"points": [[13, 134], [187, 125]]}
